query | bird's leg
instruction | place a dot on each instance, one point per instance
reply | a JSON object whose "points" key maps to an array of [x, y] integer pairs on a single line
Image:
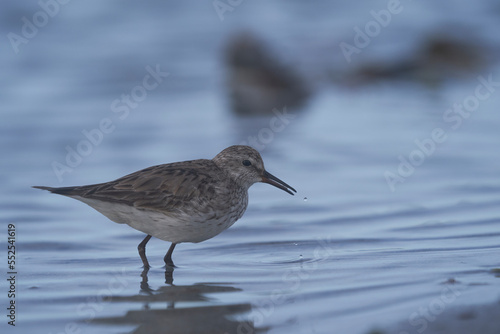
{"points": [[168, 256], [142, 251]]}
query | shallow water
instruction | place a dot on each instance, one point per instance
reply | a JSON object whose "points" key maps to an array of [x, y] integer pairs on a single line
{"points": [[347, 254]]}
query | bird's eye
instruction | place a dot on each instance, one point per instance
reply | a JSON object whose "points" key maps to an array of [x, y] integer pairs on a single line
{"points": [[246, 163]]}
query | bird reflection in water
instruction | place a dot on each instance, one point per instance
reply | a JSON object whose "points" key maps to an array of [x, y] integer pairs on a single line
{"points": [[198, 311]]}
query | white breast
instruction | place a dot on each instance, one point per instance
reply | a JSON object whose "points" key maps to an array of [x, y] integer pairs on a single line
{"points": [[175, 227]]}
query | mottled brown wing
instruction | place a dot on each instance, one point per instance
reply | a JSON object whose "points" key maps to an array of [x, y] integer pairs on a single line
{"points": [[163, 187]]}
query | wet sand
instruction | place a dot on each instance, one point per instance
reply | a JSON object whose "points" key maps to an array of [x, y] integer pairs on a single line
{"points": [[456, 320]]}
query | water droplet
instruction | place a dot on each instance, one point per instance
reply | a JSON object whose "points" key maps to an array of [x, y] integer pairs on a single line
{"points": [[305, 199]]}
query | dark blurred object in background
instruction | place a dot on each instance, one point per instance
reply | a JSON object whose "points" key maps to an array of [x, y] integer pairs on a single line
{"points": [[438, 58], [257, 82]]}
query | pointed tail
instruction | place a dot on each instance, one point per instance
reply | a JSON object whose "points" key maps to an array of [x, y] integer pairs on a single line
{"points": [[61, 191], [44, 188]]}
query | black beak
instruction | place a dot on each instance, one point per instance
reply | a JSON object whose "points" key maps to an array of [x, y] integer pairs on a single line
{"points": [[273, 180]]}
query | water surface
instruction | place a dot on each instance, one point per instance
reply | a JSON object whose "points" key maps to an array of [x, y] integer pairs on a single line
{"points": [[348, 254]]}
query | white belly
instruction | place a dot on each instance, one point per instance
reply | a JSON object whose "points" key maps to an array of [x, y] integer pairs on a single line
{"points": [[174, 228]]}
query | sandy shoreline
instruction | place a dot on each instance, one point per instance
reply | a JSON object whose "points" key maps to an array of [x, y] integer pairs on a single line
{"points": [[471, 319]]}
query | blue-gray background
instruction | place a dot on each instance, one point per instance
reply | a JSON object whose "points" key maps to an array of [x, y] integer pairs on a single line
{"points": [[356, 255]]}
